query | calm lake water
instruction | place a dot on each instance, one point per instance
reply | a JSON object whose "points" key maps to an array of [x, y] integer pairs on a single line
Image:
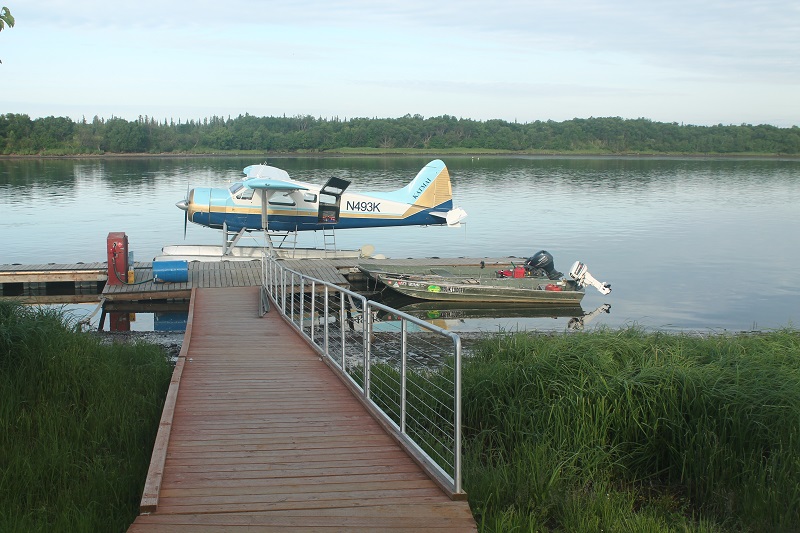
{"points": [[696, 244]]}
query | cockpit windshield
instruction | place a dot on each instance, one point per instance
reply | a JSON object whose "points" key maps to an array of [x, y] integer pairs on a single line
{"points": [[236, 187]]}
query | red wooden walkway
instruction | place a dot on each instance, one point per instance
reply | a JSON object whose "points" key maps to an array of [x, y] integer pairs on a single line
{"points": [[258, 434]]}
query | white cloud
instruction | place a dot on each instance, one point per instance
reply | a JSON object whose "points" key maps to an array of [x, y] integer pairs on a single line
{"points": [[511, 59]]}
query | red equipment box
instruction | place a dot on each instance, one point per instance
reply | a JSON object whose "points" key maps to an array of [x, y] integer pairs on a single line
{"points": [[117, 248]]}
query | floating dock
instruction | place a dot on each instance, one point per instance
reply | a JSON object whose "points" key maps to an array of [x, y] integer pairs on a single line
{"points": [[200, 275], [87, 282], [29, 282]]}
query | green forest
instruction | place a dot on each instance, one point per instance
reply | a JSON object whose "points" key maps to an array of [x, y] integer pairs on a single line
{"points": [[53, 136]]}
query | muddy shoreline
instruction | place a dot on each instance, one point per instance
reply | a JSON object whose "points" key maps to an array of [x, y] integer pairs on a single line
{"points": [[169, 341]]}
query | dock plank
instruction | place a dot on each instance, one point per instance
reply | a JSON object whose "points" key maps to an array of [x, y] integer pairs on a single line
{"points": [[53, 273], [322, 269], [265, 437], [200, 275]]}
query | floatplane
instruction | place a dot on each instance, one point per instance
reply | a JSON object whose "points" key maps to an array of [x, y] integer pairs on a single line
{"points": [[268, 200]]}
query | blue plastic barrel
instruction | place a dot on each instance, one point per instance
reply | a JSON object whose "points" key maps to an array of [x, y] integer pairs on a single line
{"points": [[171, 271]]}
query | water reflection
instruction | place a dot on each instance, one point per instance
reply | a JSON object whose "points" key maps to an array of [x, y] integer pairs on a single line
{"points": [[693, 243], [157, 315], [482, 316]]}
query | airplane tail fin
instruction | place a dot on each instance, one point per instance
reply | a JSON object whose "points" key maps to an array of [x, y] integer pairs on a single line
{"points": [[430, 188]]}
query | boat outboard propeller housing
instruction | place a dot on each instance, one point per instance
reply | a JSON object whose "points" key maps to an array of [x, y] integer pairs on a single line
{"points": [[541, 264]]}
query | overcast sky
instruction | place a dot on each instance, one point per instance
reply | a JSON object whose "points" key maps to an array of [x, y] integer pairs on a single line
{"points": [[693, 62]]}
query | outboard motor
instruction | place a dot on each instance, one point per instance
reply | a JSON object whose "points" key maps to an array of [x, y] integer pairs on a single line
{"points": [[582, 277], [541, 265]]}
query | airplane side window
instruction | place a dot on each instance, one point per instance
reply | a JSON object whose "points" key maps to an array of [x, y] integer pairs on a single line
{"points": [[308, 197], [281, 199], [246, 194]]}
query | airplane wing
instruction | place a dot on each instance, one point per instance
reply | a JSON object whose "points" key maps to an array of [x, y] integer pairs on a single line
{"points": [[270, 179], [266, 171], [273, 185]]}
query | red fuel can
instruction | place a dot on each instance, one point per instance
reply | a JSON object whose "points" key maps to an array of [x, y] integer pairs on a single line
{"points": [[117, 249]]}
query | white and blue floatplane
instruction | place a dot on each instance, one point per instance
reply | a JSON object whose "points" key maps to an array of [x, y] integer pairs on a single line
{"points": [[268, 200]]}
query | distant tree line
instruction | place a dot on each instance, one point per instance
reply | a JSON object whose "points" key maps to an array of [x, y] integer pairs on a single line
{"points": [[21, 135]]}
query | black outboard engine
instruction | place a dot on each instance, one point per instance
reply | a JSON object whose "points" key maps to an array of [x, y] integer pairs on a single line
{"points": [[541, 265]]}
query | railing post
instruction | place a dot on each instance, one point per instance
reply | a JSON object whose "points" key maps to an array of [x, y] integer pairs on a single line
{"points": [[313, 304], [325, 325], [301, 304], [267, 272], [367, 329], [273, 279], [403, 374], [283, 291], [341, 325], [291, 299], [457, 415]]}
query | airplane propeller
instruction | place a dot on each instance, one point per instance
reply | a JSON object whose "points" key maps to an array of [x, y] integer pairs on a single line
{"points": [[184, 204]]}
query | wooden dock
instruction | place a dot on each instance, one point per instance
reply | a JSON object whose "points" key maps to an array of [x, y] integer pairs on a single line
{"points": [[259, 434], [53, 272], [51, 282], [34, 282], [199, 275], [54, 282]]}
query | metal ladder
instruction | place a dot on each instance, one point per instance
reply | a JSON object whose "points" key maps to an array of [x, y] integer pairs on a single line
{"points": [[329, 241]]}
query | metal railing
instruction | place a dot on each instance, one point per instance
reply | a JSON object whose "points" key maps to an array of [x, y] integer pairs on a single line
{"points": [[407, 370]]}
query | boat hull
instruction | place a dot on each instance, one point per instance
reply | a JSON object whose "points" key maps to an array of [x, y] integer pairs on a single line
{"points": [[468, 310], [457, 281], [507, 290]]}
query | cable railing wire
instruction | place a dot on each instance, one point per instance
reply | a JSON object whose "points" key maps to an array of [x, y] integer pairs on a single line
{"points": [[411, 378]]}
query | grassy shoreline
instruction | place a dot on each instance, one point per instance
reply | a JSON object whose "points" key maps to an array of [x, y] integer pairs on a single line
{"points": [[78, 419], [633, 431], [615, 430]]}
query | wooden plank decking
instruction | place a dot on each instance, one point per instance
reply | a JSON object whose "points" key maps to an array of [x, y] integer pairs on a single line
{"points": [[200, 274], [209, 275], [322, 269], [53, 272], [263, 436]]}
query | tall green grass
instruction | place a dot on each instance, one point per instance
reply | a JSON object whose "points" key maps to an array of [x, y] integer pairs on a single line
{"points": [[77, 423], [604, 431], [633, 431]]}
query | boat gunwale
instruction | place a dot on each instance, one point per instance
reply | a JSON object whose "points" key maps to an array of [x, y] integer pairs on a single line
{"points": [[476, 292]]}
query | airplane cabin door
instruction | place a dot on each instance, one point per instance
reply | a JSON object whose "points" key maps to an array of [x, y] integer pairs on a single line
{"points": [[235, 214], [330, 199]]}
